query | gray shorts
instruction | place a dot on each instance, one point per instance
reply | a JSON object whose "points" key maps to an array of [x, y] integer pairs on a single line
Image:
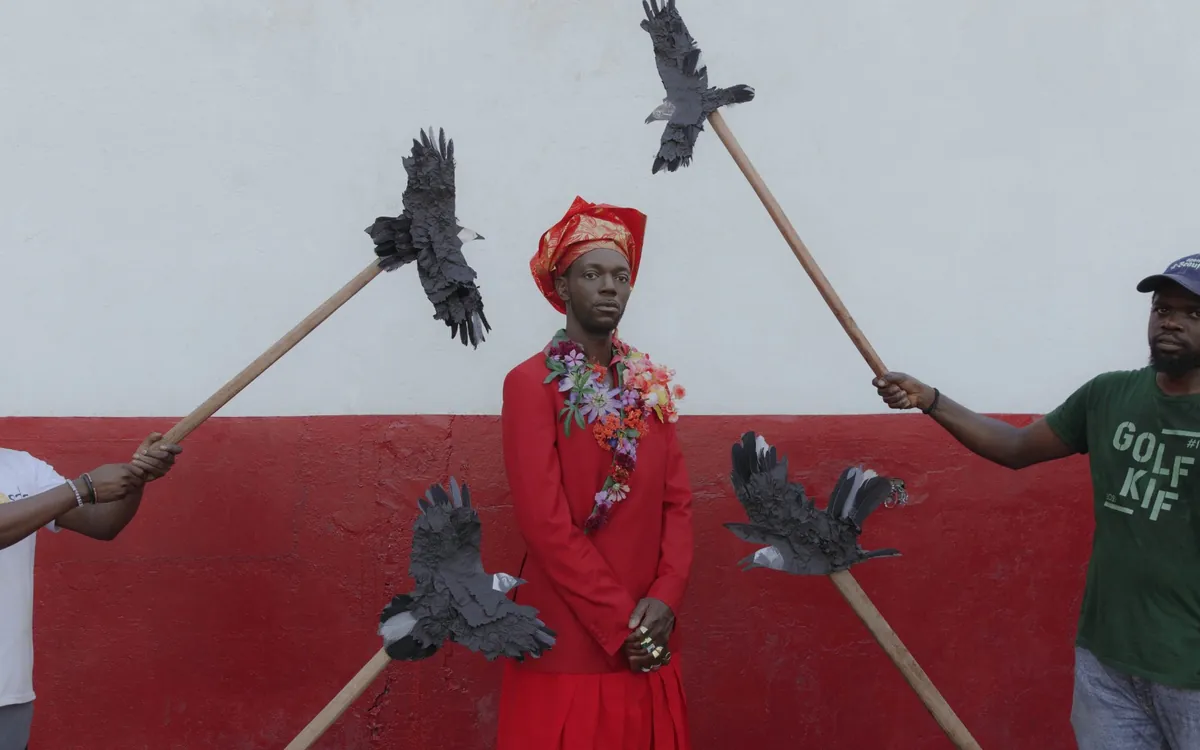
{"points": [[15, 722]]}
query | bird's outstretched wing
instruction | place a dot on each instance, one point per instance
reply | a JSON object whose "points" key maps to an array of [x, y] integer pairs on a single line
{"points": [[671, 40], [448, 280], [427, 231], [857, 494], [489, 622], [800, 539], [760, 482], [454, 598]]}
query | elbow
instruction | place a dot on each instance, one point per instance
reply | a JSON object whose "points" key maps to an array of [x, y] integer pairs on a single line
{"points": [[1014, 459], [1013, 463]]}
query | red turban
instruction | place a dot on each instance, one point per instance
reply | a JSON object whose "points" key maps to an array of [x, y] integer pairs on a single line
{"points": [[586, 227]]}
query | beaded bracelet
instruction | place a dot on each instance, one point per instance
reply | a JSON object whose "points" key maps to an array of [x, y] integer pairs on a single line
{"points": [[78, 497]]}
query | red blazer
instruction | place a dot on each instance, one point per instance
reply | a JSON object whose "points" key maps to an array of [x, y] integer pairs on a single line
{"points": [[586, 587]]}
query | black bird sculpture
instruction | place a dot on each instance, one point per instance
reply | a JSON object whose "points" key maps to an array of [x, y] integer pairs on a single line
{"points": [[799, 538], [689, 98], [454, 598], [428, 232]]}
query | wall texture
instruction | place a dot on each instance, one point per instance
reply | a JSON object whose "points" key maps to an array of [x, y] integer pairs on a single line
{"points": [[983, 183], [246, 593]]}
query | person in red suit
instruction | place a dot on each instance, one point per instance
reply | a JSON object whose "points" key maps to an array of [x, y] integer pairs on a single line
{"points": [[602, 500]]}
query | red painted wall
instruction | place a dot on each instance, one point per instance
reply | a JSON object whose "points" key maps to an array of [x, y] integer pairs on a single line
{"points": [[247, 591]]}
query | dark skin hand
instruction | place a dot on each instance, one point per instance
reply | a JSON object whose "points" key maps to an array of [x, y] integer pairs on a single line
{"points": [[119, 490], [658, 620], [154, 458]]}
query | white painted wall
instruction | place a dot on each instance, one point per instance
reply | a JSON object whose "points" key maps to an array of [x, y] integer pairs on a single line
{"points": [[983, 182]]}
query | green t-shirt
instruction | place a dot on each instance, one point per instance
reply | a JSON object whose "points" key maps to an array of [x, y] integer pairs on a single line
{"points": [[1141, 607]]}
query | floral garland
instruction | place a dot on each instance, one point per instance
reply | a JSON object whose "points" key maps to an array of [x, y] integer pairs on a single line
{"points": [[619, 416]]}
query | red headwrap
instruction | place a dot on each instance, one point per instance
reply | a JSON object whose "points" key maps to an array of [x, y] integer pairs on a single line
{"points": [[587, 226]]}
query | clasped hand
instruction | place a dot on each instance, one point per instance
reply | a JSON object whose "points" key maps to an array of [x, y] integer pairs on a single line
{"points": [[646, 647]]}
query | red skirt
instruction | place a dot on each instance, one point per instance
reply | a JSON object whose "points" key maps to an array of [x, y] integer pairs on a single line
{"points": [[614, 711]]}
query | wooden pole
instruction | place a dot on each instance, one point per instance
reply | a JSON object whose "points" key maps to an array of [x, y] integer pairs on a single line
{"points": [[853, 593], [904, 660], [795, 243], [336, 707], [270, 356]]}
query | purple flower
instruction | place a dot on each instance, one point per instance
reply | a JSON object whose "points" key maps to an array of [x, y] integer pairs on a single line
{"points": [[627, 447], [629, 398], [599, 403], [573, 359], [563, 348]]}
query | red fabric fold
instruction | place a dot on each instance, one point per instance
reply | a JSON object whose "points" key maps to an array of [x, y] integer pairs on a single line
{"points": [[614, 711]]}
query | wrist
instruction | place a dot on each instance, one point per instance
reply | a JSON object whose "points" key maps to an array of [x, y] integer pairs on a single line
{"points": [[90, 494], [931, 399]]}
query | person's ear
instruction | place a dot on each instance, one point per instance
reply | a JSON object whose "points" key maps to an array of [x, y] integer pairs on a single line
{"points": [[560, 286]]}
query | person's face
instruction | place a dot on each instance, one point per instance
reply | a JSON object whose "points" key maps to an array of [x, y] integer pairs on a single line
{"points": [[1174, 334], [595, 289]]}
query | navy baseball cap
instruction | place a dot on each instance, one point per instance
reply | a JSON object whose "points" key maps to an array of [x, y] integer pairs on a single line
{"points": [[1185, 272]]}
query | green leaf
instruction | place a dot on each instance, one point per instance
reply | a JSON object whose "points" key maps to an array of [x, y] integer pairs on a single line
{"points": [[550, 377], [579, 419]]}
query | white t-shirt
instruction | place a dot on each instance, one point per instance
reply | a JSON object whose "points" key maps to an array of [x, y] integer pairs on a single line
{"points": [[21, 476]]}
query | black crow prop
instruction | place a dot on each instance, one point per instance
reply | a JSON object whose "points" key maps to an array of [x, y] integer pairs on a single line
{"points": [[427, 231], [454, 598], [689, 98], [799, 538]]}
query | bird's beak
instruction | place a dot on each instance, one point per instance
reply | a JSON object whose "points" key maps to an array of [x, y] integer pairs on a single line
{"points": [[467, 235], [662, 111], [505, 583]]}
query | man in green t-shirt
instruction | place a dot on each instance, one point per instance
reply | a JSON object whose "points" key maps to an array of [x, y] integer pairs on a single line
{"points": [[1137, 655]]}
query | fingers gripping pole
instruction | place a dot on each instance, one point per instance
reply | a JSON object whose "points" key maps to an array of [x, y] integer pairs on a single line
{"points": [[858, 600], [794, 241], [336, 707], [270, 356]]}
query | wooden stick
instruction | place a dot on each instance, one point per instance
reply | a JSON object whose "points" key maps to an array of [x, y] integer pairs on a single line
{"points": [[336, 707], [270, 356], [904, 661], [843, 580], [794, 242]]}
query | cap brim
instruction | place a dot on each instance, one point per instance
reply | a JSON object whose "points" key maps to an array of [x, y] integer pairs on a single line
{"points": [[1156, 282]]}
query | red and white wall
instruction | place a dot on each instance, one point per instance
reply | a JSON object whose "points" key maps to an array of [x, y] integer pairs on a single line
{"points": [[983, 183]]}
